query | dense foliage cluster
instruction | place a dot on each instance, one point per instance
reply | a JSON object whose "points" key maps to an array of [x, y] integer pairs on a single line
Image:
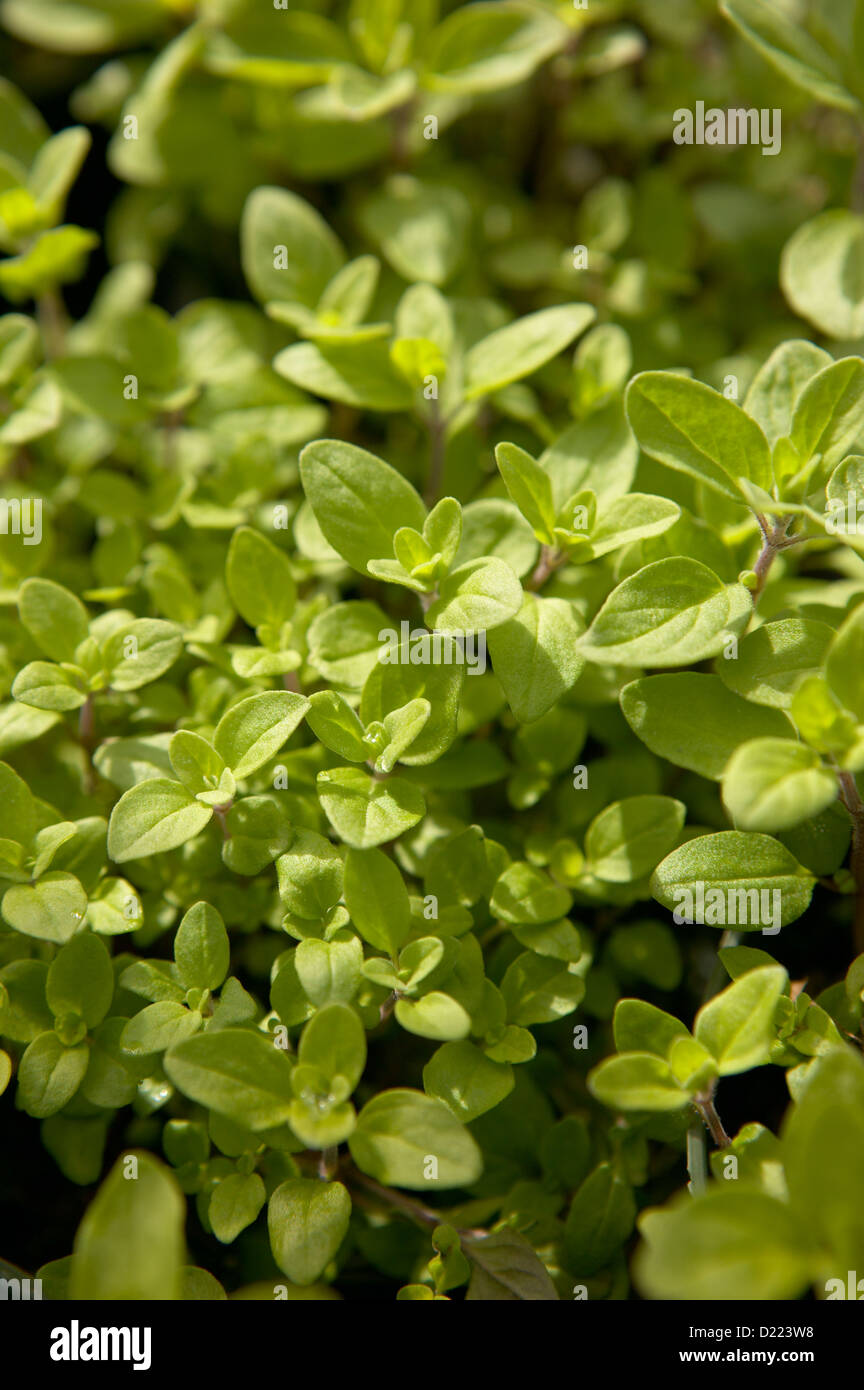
{"points": [[432, 648]]}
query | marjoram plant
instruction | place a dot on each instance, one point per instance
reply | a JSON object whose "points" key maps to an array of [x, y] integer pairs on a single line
{"points": [[432, 648]]}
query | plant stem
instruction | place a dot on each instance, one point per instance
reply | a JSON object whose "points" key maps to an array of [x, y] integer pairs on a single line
{"points": [[718, 974], [328, 1162], [51, 314], [856, 194], [437, 453], [705, 1105], [402, 120], [851, 798], [424, 1216], [697, 1165], [387, 1007], [697, 1148], [550, 560], [773, 541], [86, 734]]}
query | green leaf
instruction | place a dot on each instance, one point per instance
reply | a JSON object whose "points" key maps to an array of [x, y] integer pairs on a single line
{"points": [[466, 1080], [777, 386], [80, 980], [56, 620], [507, 1269], [844, 671], [695, 430], [539, 990], [141, 652], [377, 899], [195, 761], [737, 1025], [51, 910], [80, 28], [436, 1015], [360, 374], [790, 49], [24, 1014], [600, 1219], [627, 519], [393, 684], [830, 412], [335, 724], [334, 1042], [359, 501], [201, 948], [529, 486], [234, 1204], [49, 1074], [724, 1245], [773, 661], [641, 1027], [823, 1135], [523, 894], [130, 1243], [251, 732], [510, 353], [259, 579], [330, 971], [671, 613], [820, 275], [772, 784], [152, 817], [422, 229], [349, 294], [158, 1027], [53, 258], [17, 807], [599, 455], [629, 838], [535, 657], [299, 50], [365, 813], [56, 167], [637, 1081], [694, 721], [478, 595], [310, 875], [733, 878], [399, 732], [237, 1072], [289, 253], [343, 642], [400, 1132], [43, 685], [481, 48], [307, 1220]]}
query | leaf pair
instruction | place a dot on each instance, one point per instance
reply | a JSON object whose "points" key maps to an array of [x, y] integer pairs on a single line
{"points": [[158, 814], [114, 650], [662, 1066]]}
